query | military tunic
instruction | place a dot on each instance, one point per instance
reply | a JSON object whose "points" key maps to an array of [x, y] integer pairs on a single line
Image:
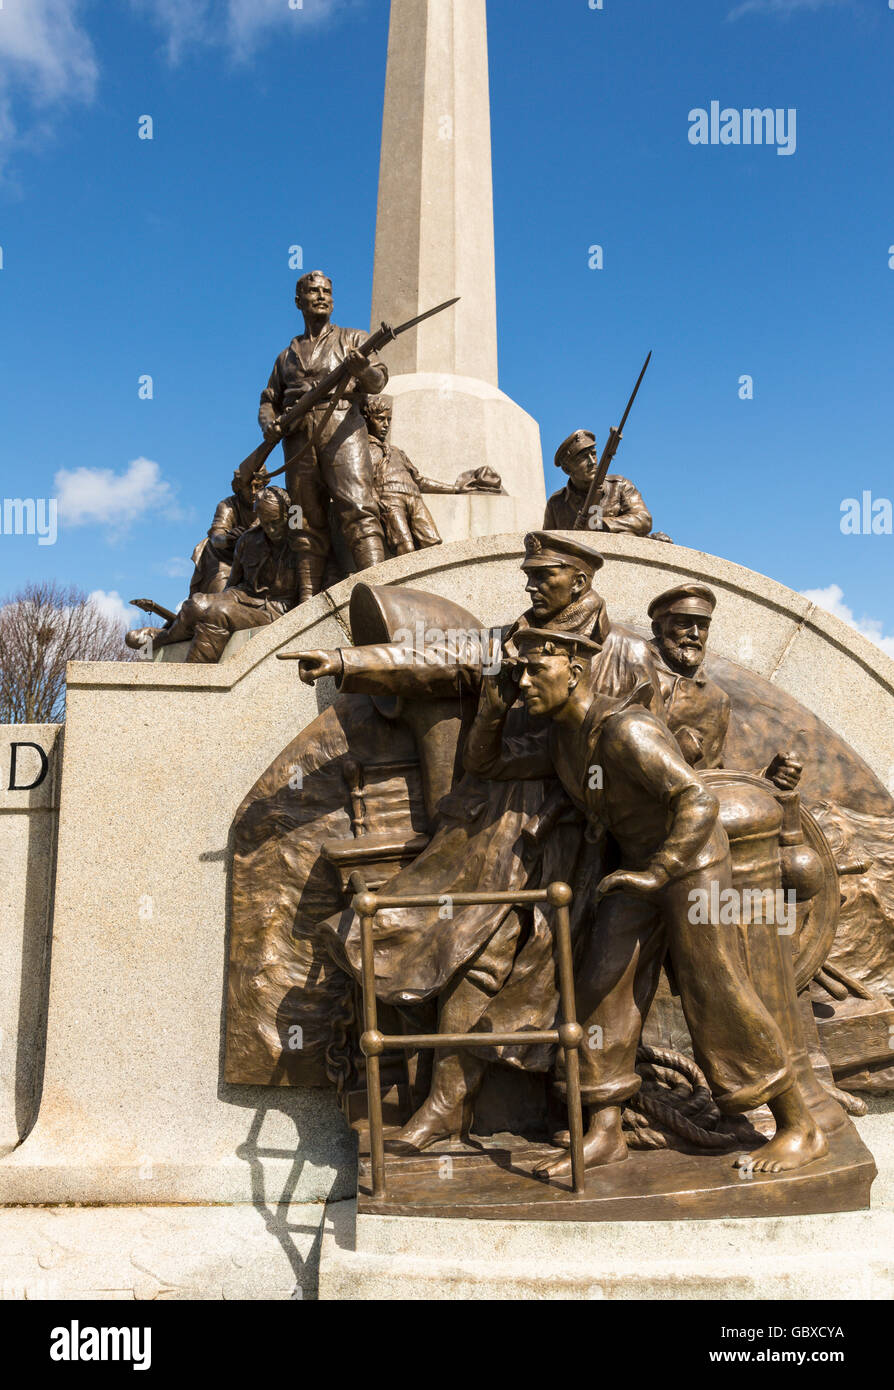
{"points": [[621, 508], [340, 467], [213, 556], [639, 801], [263, 585]]}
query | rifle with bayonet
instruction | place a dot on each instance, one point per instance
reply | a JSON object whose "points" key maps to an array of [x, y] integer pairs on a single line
{"points": [[333, 385], [582, 522]]}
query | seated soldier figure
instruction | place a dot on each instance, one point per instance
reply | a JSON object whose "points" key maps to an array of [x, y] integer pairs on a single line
{"points": [[233, 515], [263, 584], [212, 559], [666, 826], [619, 507]]}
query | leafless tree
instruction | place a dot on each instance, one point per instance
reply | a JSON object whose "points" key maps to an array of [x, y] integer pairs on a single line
{"points": [[42, 627]]}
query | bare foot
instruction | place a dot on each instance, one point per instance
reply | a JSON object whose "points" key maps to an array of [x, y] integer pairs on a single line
{"points": [[789, 1148], [603, 1143]]}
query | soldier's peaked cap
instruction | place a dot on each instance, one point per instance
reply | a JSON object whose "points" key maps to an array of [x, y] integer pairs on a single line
{"points": [[578, 443], [550, 550], [696, 599], [570, 642]]}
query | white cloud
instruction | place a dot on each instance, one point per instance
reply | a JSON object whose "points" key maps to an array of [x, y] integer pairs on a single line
{"points": [[100, 497], [241, 27], [784, 7], [43, 45], [182, 21], [47, 61], [832, 600], [112, 606], [247, 19], [176, 567]]}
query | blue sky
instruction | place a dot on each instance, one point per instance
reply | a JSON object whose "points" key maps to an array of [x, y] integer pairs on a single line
{"points": [[169, 257]]}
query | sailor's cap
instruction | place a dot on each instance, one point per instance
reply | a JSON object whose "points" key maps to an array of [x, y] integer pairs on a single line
{"points": [[531, 638], [695, 599], [550, 550]]}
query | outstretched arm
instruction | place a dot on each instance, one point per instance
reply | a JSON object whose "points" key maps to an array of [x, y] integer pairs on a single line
{"points": [[223, 533], [392, 668], [433, 485]]}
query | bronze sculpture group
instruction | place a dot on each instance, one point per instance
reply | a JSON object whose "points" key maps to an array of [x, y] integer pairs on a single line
{"points": [[584, 724], [324, 403], [564, 749]]}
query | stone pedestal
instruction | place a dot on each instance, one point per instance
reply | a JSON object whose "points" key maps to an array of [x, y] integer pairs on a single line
{"points": [[261, 1250], [847, 1255]]}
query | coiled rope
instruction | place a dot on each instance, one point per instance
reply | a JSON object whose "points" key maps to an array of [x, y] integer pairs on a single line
{"points": [[674, 1100]]}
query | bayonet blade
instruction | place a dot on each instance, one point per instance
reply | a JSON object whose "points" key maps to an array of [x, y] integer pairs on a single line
{"points": [[429, 313], [639, 383]]}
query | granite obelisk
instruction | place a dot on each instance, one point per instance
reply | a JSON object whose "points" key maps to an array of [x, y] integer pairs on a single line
{"points": [[434, 240]]}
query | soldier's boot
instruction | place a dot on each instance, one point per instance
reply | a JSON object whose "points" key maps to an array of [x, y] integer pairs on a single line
{"points": [[368, 551], [139, 637], [154, 637], [446, 1113], [208, 643]]}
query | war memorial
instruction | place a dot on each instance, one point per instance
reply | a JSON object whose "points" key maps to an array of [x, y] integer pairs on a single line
{"points": [[477, 922]]}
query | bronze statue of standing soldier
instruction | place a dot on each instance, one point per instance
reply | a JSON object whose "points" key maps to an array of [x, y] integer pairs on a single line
{"points": [[338, 465]]}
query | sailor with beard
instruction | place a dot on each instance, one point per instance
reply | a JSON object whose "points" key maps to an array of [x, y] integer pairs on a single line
{"points": [[697, 709]]}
